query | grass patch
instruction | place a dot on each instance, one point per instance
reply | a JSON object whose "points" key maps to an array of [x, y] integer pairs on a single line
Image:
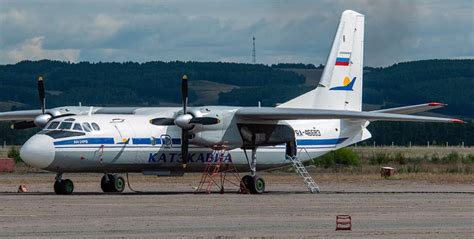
{"points": [[14, 153], [340, 158]]}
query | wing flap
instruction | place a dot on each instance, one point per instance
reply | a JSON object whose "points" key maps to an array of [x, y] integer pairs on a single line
{"points": [[268, 113], [412, 109]]}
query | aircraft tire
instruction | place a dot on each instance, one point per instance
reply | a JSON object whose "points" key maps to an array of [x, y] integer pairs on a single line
{"points": [[119, 184], [246, 182], [257, 185], [57, 187], [111, 183], [63, 187], [106, 183]]}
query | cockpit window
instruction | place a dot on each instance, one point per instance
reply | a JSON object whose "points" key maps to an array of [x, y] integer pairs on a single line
{"points": [[65, 125], [77, 127], [53, 125], [95, 127], [58, 134], [87, 127]]}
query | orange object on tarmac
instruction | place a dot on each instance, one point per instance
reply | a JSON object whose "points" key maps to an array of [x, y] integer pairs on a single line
{"points": [[22, 188], [343, 223]]}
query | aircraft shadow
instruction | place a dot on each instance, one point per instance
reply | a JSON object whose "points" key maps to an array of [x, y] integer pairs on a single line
{"points": [[139, 193]]}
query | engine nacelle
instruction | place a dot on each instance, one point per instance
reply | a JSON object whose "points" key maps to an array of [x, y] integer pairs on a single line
{"points": [[234, 134], [223, 133], [41, 120]]}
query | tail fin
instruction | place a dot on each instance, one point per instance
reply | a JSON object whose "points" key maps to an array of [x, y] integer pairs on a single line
{"points": [[340, 87]]}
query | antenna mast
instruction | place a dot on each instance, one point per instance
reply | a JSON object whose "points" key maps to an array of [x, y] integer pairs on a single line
{"points": [[254, 56]]}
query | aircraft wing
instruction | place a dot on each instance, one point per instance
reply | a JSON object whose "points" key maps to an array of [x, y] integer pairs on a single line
{"points": [[412, 109], [75, 110], [19, 115], [269, 113]]}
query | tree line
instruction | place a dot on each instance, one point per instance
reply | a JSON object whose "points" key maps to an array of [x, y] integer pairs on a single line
{"points": [[155, 83]]}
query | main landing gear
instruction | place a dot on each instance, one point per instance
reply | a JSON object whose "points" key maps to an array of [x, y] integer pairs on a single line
{"points": [[253, 183], [63, 186], [112, 183]]}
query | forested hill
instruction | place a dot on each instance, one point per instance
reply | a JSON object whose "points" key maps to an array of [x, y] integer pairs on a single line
{"points": [[147, 84], [157, 84], [447, 81]]}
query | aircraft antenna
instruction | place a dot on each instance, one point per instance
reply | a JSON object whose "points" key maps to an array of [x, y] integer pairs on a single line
{"points": [[254, 55]]}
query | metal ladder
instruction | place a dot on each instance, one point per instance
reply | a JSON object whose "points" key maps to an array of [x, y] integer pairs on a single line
{"points": [[217, 172], [211, 171], [300, 168]]}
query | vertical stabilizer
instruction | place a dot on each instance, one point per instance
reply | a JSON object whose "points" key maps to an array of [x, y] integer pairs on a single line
{"points": [[340, 87]]}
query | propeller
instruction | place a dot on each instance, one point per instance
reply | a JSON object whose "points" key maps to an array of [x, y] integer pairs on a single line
{"points": [[194, 121], [41, 94], [162, 121], [40, 120], [182, 119], [186, 121]]}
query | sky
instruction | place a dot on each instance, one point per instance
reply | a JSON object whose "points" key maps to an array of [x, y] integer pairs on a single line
{"points": [[298, 31]]}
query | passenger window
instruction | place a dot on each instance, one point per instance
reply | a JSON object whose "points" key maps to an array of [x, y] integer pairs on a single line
{"points": [[95, 127], [65, 125], [53, 125], [77, 127], [87, 127]]}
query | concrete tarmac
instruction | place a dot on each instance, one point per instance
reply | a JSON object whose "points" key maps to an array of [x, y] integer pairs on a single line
{"points": [[168, 208]]}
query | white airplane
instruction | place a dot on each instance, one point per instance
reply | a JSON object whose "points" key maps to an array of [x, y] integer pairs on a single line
{"points": [[162, 141]]}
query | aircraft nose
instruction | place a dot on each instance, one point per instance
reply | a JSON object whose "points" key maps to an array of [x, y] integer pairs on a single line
{"points": [[38, 151]]}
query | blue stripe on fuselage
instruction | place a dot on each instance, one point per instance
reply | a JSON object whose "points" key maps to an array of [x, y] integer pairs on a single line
{"points": [[177, 141], [320, 141], [144, 141], [86, 141]]}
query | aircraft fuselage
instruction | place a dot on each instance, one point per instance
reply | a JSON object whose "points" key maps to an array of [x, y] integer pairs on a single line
{"points": [[115, 143]]}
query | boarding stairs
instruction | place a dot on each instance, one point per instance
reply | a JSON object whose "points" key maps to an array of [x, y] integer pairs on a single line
{"points": [[300, 168], [217, 171]]}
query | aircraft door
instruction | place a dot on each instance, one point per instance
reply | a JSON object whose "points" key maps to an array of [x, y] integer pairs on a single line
{"points": [[124, 135]]}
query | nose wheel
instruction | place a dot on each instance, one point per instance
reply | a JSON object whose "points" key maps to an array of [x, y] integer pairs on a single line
{"points": [[112, 183], [63, 186]]}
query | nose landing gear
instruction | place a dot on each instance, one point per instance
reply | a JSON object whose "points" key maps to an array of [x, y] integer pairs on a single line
{"points": [[112, 183], [63, 186]]}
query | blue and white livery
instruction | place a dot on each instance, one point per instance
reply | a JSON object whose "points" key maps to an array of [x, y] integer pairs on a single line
{"points": [[172, 141]]}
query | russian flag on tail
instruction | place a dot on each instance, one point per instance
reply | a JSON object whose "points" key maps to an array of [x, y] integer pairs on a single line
{"points": [[343, 59]]}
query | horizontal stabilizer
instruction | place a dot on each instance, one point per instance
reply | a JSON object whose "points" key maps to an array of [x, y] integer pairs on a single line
{"points": [[269, 113]]}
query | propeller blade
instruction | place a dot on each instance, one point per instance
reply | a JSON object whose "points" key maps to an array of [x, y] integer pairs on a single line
{"points": [[204, 120], [184, 92], [184, 147], [41, 93], [23, 125], [162, 121]]}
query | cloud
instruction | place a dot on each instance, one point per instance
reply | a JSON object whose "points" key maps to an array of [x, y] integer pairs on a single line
{"points": [[212, 30], [32, 49], [105, 26], [13, 15]]}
